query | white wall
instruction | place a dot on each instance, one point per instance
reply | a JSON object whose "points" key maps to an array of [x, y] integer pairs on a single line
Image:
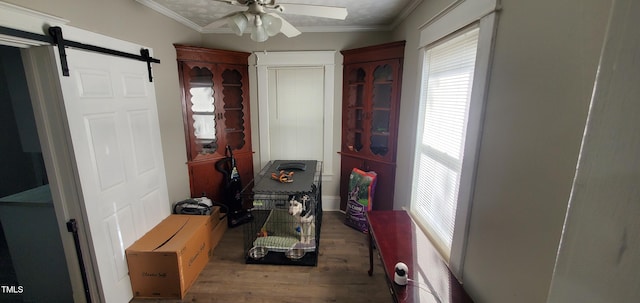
{"points": [[544, 65], [599, 257]]}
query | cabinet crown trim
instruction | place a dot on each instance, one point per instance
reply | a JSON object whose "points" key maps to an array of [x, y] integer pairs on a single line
{"points": [[210, 55], [393, 50]]}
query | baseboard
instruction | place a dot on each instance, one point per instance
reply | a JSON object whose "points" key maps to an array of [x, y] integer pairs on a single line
{"points": [[331, 203]]}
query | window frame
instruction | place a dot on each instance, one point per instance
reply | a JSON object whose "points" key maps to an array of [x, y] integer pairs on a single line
{"points": [[459, 16]]}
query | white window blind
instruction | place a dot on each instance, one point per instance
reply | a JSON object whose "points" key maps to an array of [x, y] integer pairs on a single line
{"points": [[447, 80]]}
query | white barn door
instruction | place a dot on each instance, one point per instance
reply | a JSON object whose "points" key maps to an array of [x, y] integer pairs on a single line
{"points": [[113, 122]]}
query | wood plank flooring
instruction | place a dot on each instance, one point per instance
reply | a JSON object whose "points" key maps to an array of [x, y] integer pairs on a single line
{"points": [[341, 274]]}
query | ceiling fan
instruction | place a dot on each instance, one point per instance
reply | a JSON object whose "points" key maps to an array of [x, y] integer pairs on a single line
{"points": [[261, 18]]}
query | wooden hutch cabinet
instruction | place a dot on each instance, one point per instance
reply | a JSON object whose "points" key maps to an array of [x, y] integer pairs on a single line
{"points": [[370, 104], [215, 108]]}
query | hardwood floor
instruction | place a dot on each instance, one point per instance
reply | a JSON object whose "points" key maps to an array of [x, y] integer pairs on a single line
{"points": [[341, 274]]}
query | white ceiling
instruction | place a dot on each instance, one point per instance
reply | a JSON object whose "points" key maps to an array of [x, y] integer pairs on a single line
{"points": [[363, 15]]}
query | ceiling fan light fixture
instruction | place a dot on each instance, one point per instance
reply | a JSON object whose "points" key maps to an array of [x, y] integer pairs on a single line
{"points": [[262, 23], [271, 24], [259, 34], [238, 23]]}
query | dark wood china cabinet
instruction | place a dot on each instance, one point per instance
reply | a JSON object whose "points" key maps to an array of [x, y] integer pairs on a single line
{"points": [[215, 108], [370, 104]]}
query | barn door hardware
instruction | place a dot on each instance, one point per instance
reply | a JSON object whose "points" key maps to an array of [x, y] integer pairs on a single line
{"points": [[55, 38], [56, 34], [145, 55], [26, 35], [72, 227]]}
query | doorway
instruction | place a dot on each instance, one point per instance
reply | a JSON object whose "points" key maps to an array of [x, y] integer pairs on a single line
{"points": [[30, 245], [295, 100]]}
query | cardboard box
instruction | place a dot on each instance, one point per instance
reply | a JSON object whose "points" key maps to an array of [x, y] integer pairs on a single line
{"points": [[166, 261]]}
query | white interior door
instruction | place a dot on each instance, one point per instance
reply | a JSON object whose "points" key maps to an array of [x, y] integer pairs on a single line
{"points": [[296, 113], [113, 122]]}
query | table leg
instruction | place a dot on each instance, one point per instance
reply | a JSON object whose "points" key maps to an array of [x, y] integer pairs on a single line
{"points": [[370, 254]]}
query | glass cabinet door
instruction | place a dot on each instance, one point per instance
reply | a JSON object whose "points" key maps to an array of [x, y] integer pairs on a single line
{"points": [[381, 97], [369, 109], [233, 107], [217, 113], [355, 110], [201, 105]]}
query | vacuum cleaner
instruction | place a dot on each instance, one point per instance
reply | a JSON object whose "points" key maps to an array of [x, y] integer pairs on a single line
{"points": [[231, 189]]}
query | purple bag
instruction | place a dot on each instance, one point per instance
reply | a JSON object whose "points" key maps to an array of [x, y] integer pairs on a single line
{"points": [[360, 198]]}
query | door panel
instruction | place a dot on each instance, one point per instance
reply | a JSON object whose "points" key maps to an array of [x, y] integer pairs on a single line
{"points": [[205, 180], [385, 184], [113, 123], [122, 219], [103, 148], [140, 129]]}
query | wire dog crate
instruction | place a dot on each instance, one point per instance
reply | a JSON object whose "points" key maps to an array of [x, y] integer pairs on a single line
{"points": [[287, 214]]}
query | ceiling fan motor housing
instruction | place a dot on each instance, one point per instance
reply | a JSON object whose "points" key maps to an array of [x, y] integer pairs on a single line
{"points": [[259, 2], [266, 24]]}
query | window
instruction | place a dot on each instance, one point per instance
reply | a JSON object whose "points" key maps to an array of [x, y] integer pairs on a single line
{"points": [[446, 89], [455, 59]]}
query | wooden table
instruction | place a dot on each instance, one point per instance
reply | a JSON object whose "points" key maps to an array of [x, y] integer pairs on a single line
{"points": [[399, 239]]}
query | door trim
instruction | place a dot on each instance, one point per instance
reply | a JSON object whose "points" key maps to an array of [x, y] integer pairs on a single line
{"points": [[44, 89], [46, 98]]}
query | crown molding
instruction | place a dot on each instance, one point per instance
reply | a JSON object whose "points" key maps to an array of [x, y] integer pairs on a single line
{"points": [[405, 13]]}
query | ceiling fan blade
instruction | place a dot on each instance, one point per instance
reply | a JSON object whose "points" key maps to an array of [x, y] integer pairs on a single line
{"points": [[287, 29], [219, 22], [232, 2], [332, 12]]}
